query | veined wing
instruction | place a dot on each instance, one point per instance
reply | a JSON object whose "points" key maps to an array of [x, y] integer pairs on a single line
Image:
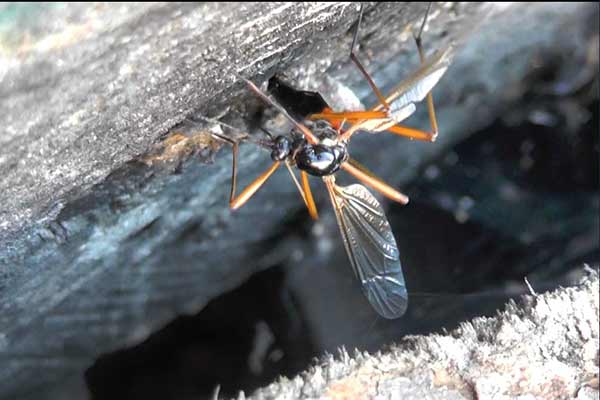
{"points": [[371, 247], [414, 88], [395, 116]]}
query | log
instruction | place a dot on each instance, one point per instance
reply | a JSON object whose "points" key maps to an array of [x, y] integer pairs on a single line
{"points": [[113, 216], [543, 347]]}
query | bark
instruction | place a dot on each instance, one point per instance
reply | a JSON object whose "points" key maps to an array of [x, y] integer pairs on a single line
{"points": [[543, 347], [113, 211]]}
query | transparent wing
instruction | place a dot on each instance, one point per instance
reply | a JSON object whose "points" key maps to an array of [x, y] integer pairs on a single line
{"points": [[414, 88], [396, 116], [371, 247]]}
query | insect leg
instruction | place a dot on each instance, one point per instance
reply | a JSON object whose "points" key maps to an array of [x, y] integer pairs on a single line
{"points": [[430, 107], [361, 68], [236, 202], [361, 173], [235, 146], [310, 201], [242, 198], [412, 132], [306, 195], [350, 116]]}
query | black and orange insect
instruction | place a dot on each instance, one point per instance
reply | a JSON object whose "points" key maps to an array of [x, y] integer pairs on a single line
{"points": [[318, 146]]}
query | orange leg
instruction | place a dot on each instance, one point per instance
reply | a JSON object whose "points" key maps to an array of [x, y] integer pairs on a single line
{"points": [[310, 202], [413, 133], [359, 116], [350, 116], [402, 130], [237, 202], [304, 192], [365, 176]]}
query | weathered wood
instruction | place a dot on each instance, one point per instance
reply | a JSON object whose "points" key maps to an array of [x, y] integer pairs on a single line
{"points": [[544, 347], [107, 230]]}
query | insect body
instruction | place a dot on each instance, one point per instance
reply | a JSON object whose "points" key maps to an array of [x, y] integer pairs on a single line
{"points": [[366, 233], [322, 159], [318, 147]]}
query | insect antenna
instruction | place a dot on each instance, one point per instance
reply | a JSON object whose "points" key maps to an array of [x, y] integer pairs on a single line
{"points": [[245, 136]]}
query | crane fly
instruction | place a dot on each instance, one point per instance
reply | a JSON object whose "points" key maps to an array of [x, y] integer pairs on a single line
{"points": [[398, 105], [318, 147]]}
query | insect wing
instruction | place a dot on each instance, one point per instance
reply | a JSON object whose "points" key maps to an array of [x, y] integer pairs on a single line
{"points": [[340, 96], [376, 125], [371, 247], [414, 88]]}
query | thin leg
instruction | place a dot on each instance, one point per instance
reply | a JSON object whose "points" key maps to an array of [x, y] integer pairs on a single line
{"points": [[242, 198], [233, 173], [237, 202], [310, 202], [339, 126], [361, 68], [368, 178], [289, 168], [350, 116], [304, 192], [306, 195], [403, 130], [413, 133], [359, 123], [234, 152], [430, 107]]}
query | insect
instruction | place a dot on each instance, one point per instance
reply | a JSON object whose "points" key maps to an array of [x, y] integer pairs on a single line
{"points": [[392, 109], [318, 146]]}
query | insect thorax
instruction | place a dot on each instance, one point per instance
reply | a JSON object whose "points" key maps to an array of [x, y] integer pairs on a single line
{"points": [[322, 129], [324, 158], [321, 159]]}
